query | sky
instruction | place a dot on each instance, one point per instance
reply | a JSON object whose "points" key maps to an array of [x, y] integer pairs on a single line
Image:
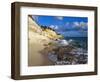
{"points": [[65, 25]]}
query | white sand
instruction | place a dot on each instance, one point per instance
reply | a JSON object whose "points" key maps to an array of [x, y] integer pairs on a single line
{"points": [[36, 44]]}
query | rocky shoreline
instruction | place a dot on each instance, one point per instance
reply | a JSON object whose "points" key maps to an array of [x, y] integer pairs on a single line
{"points": [[66, 54]]}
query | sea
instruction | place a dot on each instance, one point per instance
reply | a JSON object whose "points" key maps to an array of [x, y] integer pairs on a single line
{"points": [[83, 41]]}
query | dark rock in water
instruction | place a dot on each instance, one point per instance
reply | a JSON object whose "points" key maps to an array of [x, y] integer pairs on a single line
{"points": [[67, 58], [63, 50], [66, 55], [82, 59], [52, 57]]}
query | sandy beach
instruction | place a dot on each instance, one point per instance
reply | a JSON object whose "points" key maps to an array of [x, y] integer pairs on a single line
{"points": [[36, 45]]}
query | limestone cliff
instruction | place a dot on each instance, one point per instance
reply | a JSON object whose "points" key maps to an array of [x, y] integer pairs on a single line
{"points": [[49, 33]]}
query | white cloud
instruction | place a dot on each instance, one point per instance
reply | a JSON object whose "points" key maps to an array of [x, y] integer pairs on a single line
{"points": [[51, 26], [59, 17], [54, 27], [83, 24], [80, 24], [76, 24]]}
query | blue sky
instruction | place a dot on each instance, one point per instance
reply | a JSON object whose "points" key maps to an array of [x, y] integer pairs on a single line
{"points": [[67, 26]]}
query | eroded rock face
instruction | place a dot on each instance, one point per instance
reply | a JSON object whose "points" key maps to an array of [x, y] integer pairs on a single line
{"points": [[34, 26], [49, 33]]}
